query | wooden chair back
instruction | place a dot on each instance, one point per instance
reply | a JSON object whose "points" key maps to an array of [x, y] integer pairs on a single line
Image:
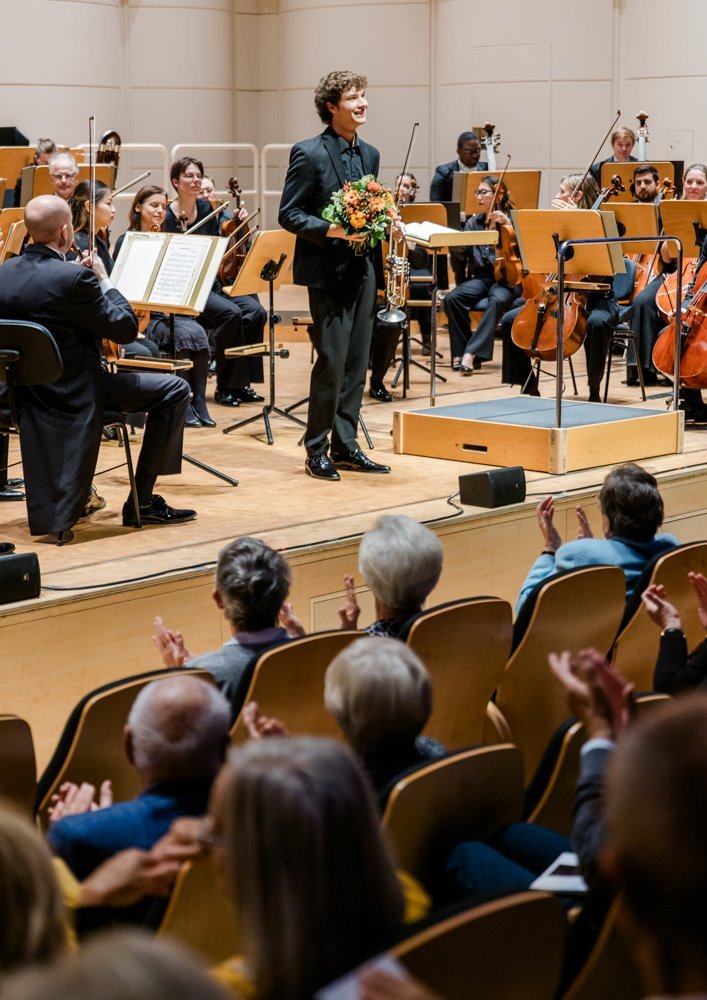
{"points": [[288, 684], [572, 611], [636, 646], [199, 913], [465, 647], [18, 767], [465, 796], [609, 972], [91, 748], [14, 238], [508, 948]]}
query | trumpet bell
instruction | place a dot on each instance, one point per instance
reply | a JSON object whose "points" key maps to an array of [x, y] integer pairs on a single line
{"points": [[391, 316]]}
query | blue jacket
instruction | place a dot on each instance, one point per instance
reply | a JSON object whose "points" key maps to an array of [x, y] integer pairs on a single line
{"points": [[629, 556], [86, 841]]}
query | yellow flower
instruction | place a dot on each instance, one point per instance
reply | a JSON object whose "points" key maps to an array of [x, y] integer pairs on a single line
{"points": [[357, 220]]}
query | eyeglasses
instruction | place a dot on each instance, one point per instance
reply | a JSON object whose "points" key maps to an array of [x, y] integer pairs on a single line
{"points": [[64, 176], [482, 192]]}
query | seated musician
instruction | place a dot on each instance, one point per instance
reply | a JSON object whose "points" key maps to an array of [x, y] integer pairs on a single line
{"points": [[480, 289], [622, 142], [645, 186], [43, 151], [232, 321], [64, 175], [61, 423], [468, 159], [82, 204], [602, 309], [646, 320], [182, 336], [386, 335], [208, 191]]}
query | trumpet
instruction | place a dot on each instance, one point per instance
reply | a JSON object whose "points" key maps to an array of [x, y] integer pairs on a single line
{"points": [[397, 279]]}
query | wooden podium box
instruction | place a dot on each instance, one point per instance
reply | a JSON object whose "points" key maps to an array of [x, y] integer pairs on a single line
{"points": [[521, 431]]}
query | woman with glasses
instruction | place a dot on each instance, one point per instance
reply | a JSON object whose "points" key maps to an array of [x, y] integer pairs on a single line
{"points": [[480, 290]]}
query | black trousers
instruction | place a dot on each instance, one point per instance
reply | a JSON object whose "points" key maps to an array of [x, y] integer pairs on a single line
{"points": [[342, 326], [475, 293], [164, 398], [234, 322], [646, 322]]}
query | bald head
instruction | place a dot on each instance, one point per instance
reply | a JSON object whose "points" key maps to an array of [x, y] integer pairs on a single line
{"points": [[48, 221], [178, 727]]}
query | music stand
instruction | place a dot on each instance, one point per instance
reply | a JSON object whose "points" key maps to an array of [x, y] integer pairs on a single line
{"points": [[523, 188], [686, 220], [438, 240], [542, 234], [672, 169], [263, 270]]}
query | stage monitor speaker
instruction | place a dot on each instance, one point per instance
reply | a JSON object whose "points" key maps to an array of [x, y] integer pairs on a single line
{"points": [[19, 578], [494, 488], [10, 135]]}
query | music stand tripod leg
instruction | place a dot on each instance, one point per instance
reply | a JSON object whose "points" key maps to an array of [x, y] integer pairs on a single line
{"points": [[210, 469]]}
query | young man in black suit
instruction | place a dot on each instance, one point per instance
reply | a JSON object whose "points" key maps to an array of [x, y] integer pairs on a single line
{"points": [[341, 283], [61, 423]]}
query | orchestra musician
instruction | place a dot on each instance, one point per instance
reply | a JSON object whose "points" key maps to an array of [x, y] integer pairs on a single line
{"points": [[468, 160], [64, 175], [61, 425], [184, 336], [82, 205], [480, 289], [645, 186], [341, 284], [602, 309], [43, 151], [622, 142], [233, 321]]}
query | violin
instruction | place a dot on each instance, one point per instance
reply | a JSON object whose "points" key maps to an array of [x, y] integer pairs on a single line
{"points": [[237, 249], [693, 335], [507, 265]]}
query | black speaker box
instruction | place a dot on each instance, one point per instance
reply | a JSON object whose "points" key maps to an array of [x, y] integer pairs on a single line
{"points": [[494, 488], [10, 135], [19, 578]]}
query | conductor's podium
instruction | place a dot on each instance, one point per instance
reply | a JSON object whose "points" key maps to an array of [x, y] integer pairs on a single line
{"points": [[521, 431]]}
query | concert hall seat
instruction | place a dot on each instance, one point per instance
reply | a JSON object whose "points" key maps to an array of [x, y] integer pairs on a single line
{"points": [[509, 947], [18, 769], [465, 646], [288, 684]]}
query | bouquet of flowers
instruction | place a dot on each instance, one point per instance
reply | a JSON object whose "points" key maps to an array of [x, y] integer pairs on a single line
{"points": [[364, 207]]}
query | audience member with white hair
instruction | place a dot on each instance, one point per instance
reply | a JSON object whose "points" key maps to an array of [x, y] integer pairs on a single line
{"points": [[176, 737], [64, 175]]}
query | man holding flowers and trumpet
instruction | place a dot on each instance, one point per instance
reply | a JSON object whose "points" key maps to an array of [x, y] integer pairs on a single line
{"points": [[338, 211]]}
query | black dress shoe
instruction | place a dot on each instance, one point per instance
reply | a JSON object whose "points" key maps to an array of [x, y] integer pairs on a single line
{"points": [[320, 467], [378, 391], [247, 394], [15, 484], [456, 364], [356, 461], [226, 399], [7, 494], [191, 419], [6, 548], [465, 370], [477, 364], [202, 413], [157, 511]]}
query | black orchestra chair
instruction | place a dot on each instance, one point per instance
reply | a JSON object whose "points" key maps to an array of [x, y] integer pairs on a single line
{"points": [[115, 420], [28, 356], [18, 773]]}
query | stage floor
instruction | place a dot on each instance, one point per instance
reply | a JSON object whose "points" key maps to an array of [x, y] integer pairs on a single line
{"points": [[92, 622]]}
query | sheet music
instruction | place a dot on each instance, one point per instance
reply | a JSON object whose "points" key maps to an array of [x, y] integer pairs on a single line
{"points": [[137, 265], [423, 230], [180, 269]]}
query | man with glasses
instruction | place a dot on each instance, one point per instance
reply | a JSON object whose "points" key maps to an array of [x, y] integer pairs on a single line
{"points": [[64, 174]]}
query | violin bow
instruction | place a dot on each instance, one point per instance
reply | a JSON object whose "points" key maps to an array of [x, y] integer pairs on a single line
{"points": [[415, 126], [92, 185], [593, 159], [498, 187], [132, 183]]}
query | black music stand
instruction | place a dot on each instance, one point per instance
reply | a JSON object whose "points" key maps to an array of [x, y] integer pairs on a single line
{"points": [[261, 268]]}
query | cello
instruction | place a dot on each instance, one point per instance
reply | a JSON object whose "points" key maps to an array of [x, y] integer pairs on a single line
{"points": [[693, 333]]}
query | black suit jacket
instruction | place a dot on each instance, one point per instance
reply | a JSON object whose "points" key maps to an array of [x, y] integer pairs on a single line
{"points": [[595, 169], [315, 171], [443, 179], [61, 424]]}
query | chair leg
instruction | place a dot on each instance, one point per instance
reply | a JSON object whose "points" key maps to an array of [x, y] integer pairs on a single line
{"points": [[608, 368], [574, 380], [122, 430], [639, 366]]}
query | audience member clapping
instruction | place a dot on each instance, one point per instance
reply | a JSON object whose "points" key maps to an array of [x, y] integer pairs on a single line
{"points": [[251, 585], [176, 736], [631, 514], [675, 671]]}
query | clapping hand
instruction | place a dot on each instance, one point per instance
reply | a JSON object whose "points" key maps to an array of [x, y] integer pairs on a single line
{"points": [[74, 800], [348, 615], [546, 514], [596, 694], [170, 645]]}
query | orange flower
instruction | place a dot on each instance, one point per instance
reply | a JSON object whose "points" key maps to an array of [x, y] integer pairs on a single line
{"points": [[357, 220], [350, 197], [377, 204], [373, 186]]}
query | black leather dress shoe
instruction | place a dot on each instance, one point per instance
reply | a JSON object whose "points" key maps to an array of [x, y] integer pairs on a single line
{"points": [[157, 511], [320, 467], [6, 548], [7, 494], [191, 419], [247, 394], [226, 399], [357, 461], [378, 391], [465, 370]]}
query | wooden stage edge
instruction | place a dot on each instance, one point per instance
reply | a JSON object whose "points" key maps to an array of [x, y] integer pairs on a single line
{"points": [[98, 629]]}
